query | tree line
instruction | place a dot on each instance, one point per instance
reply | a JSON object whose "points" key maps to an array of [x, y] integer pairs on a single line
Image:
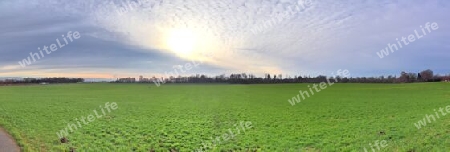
{"points": [[40, 81], [244, 78]]}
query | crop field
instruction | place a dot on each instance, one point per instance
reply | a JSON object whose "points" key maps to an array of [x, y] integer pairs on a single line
{"points": [[343, 117]]}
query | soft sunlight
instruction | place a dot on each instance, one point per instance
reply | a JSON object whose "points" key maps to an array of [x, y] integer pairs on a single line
{"points": [[224, 75], [182, 42]]}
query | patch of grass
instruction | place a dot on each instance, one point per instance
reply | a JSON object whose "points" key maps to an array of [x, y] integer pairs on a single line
{"points": [[343, 117]]}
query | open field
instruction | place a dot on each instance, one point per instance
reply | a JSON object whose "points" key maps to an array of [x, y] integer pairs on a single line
{"points": [[343, 117]]}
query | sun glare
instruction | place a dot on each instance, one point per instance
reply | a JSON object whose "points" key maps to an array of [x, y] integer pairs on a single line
{"points": [[182, 42]]}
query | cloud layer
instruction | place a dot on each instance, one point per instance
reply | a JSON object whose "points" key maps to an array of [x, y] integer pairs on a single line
{"points": [[294, 37]]}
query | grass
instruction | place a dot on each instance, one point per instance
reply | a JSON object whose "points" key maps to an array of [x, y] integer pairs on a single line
{"points": [[343, 117]]}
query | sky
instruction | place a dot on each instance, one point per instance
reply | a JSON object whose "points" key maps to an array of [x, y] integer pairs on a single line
{"points": [[128, 38]]}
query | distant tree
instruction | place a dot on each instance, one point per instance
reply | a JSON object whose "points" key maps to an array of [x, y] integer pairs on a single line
{"points": [[426, 75], [404, 77], [412, 77], [244, 75]]}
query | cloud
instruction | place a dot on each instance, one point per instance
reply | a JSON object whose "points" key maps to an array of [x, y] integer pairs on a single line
{"points": [[325, 36]]}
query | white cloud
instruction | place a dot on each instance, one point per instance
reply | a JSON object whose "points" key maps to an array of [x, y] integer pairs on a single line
{"points": [[328, 35], [10, 67]]}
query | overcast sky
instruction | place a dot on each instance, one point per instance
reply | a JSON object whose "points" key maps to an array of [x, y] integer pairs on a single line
{"points": [[155, 36]]}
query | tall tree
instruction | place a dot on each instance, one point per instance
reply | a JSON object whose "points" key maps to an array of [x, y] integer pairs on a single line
{"points": [[427, 75]]}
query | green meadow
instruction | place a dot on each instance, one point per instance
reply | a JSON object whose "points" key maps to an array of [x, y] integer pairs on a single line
{"points": [[342, 117]]}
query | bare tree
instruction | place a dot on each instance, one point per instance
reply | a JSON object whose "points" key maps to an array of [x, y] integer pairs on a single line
{"points": [[427, 75]]}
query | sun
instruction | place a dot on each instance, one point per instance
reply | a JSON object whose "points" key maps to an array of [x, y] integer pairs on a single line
{"points": [[182, 42]]}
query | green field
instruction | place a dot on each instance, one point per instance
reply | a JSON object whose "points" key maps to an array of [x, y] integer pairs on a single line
{"points": [[343, 117]]}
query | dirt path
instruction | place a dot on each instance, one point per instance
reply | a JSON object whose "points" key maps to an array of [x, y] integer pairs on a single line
{"points": [[7, 143]]}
